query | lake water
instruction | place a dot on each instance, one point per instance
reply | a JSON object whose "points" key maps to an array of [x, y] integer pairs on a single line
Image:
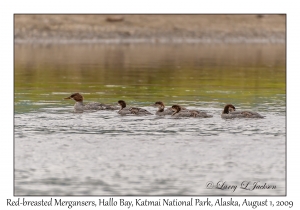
{"points": [[59, 152]]}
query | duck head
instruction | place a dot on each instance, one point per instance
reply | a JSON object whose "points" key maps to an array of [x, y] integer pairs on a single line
{"points": [[76, 96], [228, 108], [176, 109], [122, 104], [160, 105]]}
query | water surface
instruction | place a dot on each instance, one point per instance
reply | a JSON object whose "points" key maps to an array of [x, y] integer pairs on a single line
{"points": [[59, 152]]}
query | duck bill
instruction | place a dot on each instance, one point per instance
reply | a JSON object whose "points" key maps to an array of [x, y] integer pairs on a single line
{"points": [[68, 97]]}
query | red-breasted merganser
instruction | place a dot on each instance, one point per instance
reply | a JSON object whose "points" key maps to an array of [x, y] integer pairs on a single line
{"points": [[229, 112], [131, 110], [79, 106], [178, 112], [161, 109]]}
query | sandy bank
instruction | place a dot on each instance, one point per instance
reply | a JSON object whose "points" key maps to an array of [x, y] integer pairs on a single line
{"points": [[150, 28]]}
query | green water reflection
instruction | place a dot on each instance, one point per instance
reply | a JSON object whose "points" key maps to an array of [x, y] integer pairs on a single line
{"points": [[44, 74]]}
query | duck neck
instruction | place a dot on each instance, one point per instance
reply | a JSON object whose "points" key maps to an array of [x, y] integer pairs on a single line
{"points": [[161, 109], [123, 106], [175, 112], [79, 106], [225, 111], [79, 103]]}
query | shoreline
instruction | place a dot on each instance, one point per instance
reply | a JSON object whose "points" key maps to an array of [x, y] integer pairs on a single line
{"points": [[118, 29], [237, 40]]}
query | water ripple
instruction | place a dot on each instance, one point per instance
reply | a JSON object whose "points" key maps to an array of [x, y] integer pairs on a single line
{"points": [[59, 152]]}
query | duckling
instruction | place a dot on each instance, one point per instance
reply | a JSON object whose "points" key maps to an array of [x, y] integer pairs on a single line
{"points": [[229, 112], [131, 110], [80, 106], [178, 112], [161, 109]]}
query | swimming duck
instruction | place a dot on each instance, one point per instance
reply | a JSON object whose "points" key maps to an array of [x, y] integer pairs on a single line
{"points": [[80, 106], [229, 112], [178, 112], [131, 110], [161, 109]]}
